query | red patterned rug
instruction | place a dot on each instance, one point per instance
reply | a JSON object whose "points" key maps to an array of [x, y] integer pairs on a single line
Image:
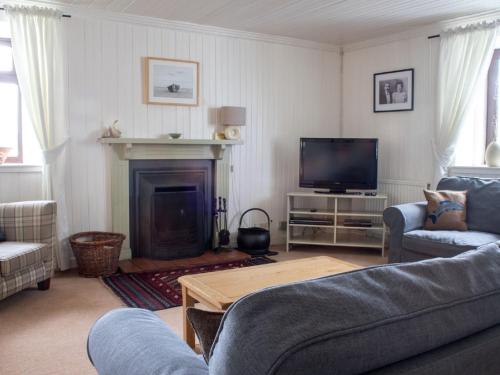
{"points": [[160, 290]]}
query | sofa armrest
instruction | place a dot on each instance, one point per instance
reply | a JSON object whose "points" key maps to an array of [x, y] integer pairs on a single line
{"points": [[401, 219], [135, 341], [33, 221]]}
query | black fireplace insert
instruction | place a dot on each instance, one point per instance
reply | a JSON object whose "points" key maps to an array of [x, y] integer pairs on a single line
{"points": [[170, 208]]}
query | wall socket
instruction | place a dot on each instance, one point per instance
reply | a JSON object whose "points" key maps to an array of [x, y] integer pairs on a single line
{"points": [[282, 225]]}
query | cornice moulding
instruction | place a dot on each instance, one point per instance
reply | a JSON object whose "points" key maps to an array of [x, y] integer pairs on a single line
{"points": [[422, 31], [105, 15]]}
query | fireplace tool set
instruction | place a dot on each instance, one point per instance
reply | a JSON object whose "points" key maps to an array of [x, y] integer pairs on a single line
{"points": [[221, 223]]}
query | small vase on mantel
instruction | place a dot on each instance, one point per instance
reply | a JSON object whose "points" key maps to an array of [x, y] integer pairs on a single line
{"points": [[492, 154]]}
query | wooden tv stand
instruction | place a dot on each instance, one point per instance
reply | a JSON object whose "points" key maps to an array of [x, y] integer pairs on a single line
{"points": [[336, 208]]}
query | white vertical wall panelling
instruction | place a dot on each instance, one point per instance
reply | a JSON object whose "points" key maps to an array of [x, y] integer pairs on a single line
{"points": [[139, 50], [196, 53], [183, 113], [94, 119], [125, 68], [169, 112], [110, 97], [154, 50], [405, 151], [20, 186], [288, 91], [77, 113]]}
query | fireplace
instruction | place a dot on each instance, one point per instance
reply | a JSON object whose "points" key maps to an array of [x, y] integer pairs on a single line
{"points": [[170, 207], [123, 152]]}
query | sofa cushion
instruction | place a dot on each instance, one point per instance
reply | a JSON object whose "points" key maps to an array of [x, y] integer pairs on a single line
{"points": [[15, 256], [446, 243], [483, 201], [337, 324], [446, 210]]}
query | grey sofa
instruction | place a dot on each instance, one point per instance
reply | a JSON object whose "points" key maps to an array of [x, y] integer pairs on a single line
{"points": [[438, 316], [409, 242]]}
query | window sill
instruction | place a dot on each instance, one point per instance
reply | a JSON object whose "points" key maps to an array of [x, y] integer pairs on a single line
{"points": [[20, 168], [476, 171]]}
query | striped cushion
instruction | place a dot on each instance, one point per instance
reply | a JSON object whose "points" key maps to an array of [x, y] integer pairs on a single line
{"points": [[16, 256]]}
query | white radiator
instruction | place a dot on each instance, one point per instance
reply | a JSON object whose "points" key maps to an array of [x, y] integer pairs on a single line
{"points": [[402, 191]]}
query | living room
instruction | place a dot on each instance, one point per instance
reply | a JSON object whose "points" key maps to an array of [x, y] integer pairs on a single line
{"points": [[208, 187]]}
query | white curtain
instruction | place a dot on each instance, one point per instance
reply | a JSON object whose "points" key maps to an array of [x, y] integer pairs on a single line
{"points": [[37, 45], [464, 56]]}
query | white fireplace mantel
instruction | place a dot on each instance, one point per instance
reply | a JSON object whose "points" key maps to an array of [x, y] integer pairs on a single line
{"points": [[126, 149], [137, 148]]}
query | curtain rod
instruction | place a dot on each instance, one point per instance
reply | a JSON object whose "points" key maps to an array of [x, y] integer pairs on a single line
{"points": [[434, 36], [64, 15]]}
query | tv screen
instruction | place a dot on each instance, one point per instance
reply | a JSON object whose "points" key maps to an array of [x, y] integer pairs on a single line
{"points": [[339, 164]]}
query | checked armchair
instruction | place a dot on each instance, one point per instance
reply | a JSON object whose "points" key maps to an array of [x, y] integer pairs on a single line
{"points": [[27, 255]]}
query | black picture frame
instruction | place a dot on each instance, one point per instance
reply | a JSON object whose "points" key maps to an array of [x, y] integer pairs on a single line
{"points": [[399, 88]]}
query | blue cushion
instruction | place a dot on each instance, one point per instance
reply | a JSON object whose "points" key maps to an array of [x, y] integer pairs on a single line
{"points": [[446, 243], [483, 201], [3, 237], [360, 321]]}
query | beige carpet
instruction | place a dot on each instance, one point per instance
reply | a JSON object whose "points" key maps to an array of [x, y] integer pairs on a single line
{"points": [[45, 332]]}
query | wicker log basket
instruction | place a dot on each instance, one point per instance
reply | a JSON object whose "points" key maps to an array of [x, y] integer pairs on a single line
{"points": [[97, 253]]}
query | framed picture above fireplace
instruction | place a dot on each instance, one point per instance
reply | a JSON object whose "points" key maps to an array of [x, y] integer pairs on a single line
{"points": [[170, 81]]}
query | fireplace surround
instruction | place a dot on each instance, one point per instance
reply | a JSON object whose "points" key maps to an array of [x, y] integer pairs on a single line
{"points": [[125, 151]]}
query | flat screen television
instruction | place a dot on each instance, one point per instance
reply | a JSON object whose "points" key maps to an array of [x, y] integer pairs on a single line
{"points": [[339, 164]]}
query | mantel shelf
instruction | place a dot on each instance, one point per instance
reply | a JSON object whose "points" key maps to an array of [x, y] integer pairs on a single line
{"points": [[168, 141], [166, 148]]}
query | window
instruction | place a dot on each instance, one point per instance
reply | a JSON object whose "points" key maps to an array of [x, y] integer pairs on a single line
{"points": [[16, 130], [493, 100], [10, 105], [481, 125]]}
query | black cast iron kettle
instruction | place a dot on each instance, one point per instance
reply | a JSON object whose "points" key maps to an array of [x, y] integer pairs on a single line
{"points": [[254, 240]]}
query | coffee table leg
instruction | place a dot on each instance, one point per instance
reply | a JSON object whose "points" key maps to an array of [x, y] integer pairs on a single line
{"points": [[187, 301]]}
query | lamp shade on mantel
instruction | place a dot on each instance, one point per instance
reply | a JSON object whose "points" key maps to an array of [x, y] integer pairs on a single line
{"points": [[233, 116]]}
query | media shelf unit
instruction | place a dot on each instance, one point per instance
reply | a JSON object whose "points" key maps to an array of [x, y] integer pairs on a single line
{"points": [[336, 208]]}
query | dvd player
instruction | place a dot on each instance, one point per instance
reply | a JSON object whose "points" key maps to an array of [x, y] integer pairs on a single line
{"points": [[357, 223], [310, 221]]}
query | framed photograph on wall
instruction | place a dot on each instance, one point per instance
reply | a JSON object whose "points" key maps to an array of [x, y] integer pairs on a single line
{"points": [[393, 91], [170, 81]]}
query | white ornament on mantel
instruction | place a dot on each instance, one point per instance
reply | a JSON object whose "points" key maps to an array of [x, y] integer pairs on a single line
{"points": [[112, 131], [492, 155], [232, 132]]}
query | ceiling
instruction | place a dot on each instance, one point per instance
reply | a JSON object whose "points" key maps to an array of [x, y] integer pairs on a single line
{"points": [[329, 21]]}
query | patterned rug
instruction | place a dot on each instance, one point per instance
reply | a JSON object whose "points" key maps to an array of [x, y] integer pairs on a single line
{"points": [[160, 290]]}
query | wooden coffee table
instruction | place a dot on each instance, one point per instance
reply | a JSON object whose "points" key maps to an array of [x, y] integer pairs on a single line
{"points": [[218, 290]]}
